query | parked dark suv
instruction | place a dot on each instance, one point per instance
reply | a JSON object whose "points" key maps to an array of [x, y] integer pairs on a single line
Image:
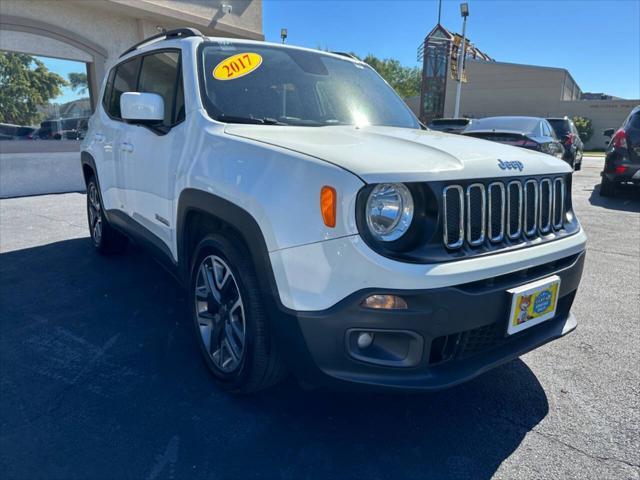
{"points": [[568, 135], [622, 161]]}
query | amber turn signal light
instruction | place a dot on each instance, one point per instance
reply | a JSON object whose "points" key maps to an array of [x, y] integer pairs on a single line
{"points": [[385, 302], [328, 205]]}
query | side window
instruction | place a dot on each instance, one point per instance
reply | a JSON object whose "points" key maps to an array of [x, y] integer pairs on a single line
{"points": [[106, 99], [124, 81], [546, 131], [161, 74], [179, 107]]}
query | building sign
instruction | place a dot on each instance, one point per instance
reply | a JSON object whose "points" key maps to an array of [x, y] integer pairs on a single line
{"points": [[456, 50]]}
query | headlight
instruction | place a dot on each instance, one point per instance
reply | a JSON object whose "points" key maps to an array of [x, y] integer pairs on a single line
{"points": [[389, 211]]}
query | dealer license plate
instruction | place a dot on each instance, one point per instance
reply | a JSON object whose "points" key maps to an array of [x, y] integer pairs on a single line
{"points": [[533, 303]]}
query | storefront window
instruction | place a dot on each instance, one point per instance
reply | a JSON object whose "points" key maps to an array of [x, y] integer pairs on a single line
{"points": [[434, 77], [42, 99]]}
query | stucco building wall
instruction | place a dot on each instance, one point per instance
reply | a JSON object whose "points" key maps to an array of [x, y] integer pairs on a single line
{"points": [[510, 89], [95, 32]]}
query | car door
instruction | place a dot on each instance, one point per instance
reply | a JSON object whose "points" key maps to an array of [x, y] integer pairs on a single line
{"points": [[114, 182], [153, 150]]}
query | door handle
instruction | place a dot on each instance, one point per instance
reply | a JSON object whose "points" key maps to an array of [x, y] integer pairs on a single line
{"points": [[126, 147], [99, 137]]}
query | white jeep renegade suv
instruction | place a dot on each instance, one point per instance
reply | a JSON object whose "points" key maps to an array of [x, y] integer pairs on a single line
{"points": [[318, 227]]}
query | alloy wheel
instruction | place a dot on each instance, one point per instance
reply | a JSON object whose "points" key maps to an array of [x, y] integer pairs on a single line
{"points": [[220, 314]]}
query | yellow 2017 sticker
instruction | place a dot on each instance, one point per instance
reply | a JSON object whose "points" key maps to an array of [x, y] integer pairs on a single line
{"points": [[237, 66]]}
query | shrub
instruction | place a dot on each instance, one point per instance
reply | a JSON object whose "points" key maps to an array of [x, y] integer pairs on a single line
{"points": [[585, 129]]}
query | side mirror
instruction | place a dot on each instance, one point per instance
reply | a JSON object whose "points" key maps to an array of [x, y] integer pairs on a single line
{"points": [[142, 107], [609, 132]]}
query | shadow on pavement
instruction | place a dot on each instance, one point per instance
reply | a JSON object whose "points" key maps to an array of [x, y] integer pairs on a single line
{"points": [[627, 199], [100, 378]]}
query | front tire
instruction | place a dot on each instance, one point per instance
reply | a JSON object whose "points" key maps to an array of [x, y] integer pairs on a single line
{"points": [[231, 325], [105, 238]]}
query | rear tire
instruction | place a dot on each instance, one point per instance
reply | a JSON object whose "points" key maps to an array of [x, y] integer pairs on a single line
{"points": [[105, 238], [607, 188], [229, 317], [578, 161]]}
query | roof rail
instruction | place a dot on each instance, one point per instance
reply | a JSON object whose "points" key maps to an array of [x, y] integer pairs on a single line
{"points": [[177, 33], [348, 55]]}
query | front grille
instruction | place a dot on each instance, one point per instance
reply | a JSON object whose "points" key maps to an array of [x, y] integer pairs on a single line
{"points": [[515, 211], [476, 212], [530, 207], [453, 203], [496, 211], [546, 203], [558, 208]]}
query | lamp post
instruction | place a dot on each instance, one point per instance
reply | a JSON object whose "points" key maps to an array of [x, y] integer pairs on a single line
{"points": [[464, 11]]}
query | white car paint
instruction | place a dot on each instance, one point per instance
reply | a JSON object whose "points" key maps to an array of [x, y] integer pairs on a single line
{"points": [[275, 173], [389, 154]]}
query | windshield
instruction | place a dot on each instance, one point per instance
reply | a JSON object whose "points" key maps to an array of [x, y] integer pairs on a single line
{"points": [[247, 83]]}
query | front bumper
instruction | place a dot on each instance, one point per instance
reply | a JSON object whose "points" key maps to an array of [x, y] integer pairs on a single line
{"points": [[459, 331]]}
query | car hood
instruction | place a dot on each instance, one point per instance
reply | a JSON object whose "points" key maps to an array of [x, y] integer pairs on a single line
{"points": [[386, 154]]}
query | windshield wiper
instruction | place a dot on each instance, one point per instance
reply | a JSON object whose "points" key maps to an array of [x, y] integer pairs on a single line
{"points": [[248, 120]]}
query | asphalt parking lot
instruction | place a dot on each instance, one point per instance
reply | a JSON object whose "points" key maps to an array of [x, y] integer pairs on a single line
{"points": [[100, 376]]}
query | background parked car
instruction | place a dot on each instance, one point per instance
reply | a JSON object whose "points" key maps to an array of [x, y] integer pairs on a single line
{"points": [[568, 135], [527, 132], [16, 132], [622, 161], [449, 125]]}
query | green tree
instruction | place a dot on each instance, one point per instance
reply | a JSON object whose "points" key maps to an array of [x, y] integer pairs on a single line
{"points": [[78, 82], [405, 80], [584, 127], [25, 84]]}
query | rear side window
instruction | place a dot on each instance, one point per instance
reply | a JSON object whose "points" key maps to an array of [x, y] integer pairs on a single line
{"points": [[161, 74], [634, 121], [125, 80], [574, 130], [106, 99], [561, 127]]}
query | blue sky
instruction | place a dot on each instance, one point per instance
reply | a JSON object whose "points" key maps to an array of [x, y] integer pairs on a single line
{"points": [[598, 41], [63, 68]]}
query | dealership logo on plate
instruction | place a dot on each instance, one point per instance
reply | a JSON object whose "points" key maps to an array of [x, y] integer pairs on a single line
{"points": [[511, 165]]}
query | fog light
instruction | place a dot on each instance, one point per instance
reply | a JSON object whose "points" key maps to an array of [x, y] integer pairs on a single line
{"points": [[365, 339], [385, 302]]}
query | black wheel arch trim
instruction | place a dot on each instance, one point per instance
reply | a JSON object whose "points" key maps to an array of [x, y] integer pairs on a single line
{"points": [[86, 159], [197, 201], [285, 321]]}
